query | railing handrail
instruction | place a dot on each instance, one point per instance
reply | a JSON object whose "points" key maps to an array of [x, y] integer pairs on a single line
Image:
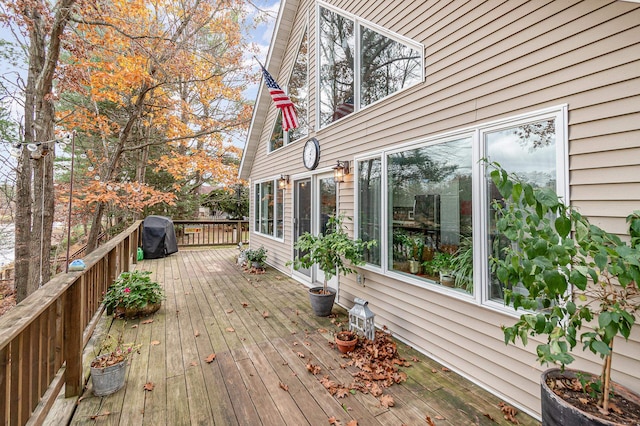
{"points": [[46, 333], [14, 321]]}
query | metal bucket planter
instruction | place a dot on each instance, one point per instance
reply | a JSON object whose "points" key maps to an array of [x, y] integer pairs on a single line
{"points": [[322, 304], [108, 380]]}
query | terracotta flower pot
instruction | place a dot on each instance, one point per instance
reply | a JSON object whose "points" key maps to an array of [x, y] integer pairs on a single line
{"points": [[346, 341]]}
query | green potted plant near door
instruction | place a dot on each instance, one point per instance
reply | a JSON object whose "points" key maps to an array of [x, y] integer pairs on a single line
{"points": [[577, 284], [335, 253], [256, 257]]}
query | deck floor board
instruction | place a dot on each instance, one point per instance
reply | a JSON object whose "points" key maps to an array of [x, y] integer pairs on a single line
{"points": [[258, 326]]}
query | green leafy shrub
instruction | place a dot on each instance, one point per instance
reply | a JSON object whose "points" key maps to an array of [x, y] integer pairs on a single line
{"points": [[334, 251], [133, 290], [581, 282], [258, 255]]}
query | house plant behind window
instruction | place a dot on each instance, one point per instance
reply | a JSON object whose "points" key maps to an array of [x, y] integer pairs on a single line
{"points": [[581, 287]]}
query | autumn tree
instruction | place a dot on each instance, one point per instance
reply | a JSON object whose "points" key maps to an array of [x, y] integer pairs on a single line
{"points": [[41, 26], [154, 86]]}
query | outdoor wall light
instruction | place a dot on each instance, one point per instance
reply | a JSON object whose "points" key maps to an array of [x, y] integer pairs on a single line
{"points": [[362, 319], [340, 171], [283, 181]]}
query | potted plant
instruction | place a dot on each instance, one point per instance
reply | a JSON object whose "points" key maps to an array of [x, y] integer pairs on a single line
{"points": [[577, 284], [346, 340], [462, 265], [108, 369], [442, 265], [334, 252], [133, 294], [257, 257], [417, 246]]}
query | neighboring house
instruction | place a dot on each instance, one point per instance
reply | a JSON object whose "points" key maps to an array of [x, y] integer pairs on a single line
{"points": [[412, 94]]}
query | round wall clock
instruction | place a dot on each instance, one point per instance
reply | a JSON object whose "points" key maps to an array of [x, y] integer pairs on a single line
{"points": [[311, 154]]}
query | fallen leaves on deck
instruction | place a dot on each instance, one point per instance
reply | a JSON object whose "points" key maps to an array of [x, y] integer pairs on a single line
{"points": [[313, 369], [284, 387], [155, 343], [265, 314], [149, 321], [387, 401], [103, 414], [210, 358], [230, 329], [377, 362], [509, 413], [148, 387]]}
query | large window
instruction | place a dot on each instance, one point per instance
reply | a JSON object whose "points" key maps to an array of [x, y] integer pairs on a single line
{"points": [[370, 206], [298, 91], [337, 47], [430, 211], [269, 209], [429, 204], [386, 65], [529, 150]]}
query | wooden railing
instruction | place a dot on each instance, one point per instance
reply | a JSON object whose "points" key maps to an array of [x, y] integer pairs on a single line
{"points": [[211, 232], [42, 338]]}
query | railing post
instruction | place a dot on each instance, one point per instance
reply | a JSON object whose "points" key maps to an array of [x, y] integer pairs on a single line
{"points": [[238, 232], [73, 338], [4, 389]]}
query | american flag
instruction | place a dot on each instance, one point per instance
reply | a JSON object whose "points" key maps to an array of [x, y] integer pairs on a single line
{"points": [[289, 116], [343, 109]]}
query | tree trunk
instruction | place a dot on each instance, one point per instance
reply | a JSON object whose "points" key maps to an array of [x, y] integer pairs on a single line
{"points": [[35, 206], [22, 226]]}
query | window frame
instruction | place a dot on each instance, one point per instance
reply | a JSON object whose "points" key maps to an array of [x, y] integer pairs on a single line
{"points": [[285, 135], [358, 22], [479, 198], [257, 208]]}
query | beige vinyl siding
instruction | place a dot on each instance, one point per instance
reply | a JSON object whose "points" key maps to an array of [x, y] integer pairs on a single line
{"points": [[486, 61]]}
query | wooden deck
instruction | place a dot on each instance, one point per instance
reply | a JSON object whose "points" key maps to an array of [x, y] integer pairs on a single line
{"points": [[257, 325]]}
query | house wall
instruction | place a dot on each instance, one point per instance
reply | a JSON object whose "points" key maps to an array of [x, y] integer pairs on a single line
{"points": [[485, 61]]}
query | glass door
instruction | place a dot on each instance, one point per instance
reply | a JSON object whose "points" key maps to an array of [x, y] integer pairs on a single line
{"points": [[327, 206], [301, 217]]}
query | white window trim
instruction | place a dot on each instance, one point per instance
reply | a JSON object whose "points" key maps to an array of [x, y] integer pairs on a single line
{"points": [[257, 210], [357, 22], [285, 135], [479, 200]]}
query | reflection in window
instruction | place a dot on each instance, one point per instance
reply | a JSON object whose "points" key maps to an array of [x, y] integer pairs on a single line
{"points": [[370, 206], [299, 92], [386, 66], [269, 209], [337, 47], [430, 194], [277, 137], [528, 150]]}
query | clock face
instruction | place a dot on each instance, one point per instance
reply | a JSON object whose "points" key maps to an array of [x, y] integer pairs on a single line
{"points": [[311, 154]]}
